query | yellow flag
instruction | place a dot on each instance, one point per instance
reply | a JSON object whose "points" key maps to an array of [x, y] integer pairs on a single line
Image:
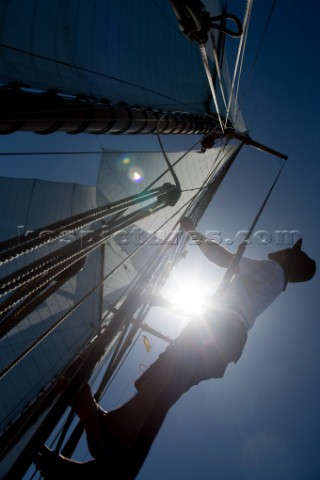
{"points": [[146, 343]]}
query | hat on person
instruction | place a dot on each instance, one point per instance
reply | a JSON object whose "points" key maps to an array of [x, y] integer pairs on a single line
{"points": [[301, 267]]}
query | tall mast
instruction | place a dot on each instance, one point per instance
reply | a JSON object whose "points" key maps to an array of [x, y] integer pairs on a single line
{"points": [[49, 112]]}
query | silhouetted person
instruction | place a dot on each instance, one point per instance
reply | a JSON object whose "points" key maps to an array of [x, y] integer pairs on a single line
{"points": [[122, 438]]}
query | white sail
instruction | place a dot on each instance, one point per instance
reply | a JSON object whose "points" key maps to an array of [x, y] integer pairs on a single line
{"points": [[122, 175]]}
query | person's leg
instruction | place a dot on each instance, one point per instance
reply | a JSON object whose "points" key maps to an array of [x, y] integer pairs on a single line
{"points": [[92, 417], [195, 356], [182, 365]]}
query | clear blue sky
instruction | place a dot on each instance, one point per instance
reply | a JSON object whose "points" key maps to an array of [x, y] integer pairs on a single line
{"points": [[260, 422]]}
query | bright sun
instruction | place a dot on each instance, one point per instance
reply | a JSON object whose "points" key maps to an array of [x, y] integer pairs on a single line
{"points": [[188, 297]]}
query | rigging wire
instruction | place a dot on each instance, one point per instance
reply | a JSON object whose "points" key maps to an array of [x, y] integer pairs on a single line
{"points": [[275, 44], [242, 58], [77, 432], [182, 157], [259, 48], [217, 65], [241, 45], [210, 81], [242, 247]]}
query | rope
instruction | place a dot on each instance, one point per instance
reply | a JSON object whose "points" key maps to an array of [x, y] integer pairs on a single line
{"points": [[175, 163], [13, 319], [57, 267], [170, 168], [242, 247], [227, 16], [34, 270], [18, 246], [262, 38]]}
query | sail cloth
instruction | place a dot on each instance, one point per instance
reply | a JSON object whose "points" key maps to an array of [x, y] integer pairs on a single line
{"points": [[27, 205], [128, 51], [122, 174]]}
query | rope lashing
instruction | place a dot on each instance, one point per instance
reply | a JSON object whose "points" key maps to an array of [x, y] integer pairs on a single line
{"points": [[16, 246], [30, 304], [195, 21], [221, 26], [36, 277], [56, 263]]}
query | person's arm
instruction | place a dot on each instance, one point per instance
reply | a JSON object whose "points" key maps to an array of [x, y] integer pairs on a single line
{"points": [[211, 250], [157, 300]]}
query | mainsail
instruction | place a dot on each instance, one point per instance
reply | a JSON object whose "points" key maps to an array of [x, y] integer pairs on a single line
{"points": [[102, 67]]}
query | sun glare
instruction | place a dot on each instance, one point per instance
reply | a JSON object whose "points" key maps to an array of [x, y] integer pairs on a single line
{"points": [[188, 297]]}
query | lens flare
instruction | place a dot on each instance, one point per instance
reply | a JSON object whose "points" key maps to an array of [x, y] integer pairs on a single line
{"points": [[135, 174]]}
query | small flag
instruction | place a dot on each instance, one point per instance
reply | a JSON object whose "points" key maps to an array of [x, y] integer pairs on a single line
{"points": [[146, 343]]}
